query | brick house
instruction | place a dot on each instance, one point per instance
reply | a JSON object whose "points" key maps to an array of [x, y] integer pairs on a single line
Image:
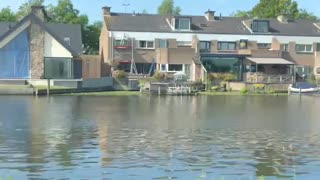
{"points": [[35, 49], [266, 49]]}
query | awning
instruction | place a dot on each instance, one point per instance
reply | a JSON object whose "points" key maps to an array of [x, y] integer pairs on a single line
{"points": [[270, 61]]}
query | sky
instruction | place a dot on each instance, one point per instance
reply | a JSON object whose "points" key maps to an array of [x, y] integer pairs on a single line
{"points": [[189, 7]]}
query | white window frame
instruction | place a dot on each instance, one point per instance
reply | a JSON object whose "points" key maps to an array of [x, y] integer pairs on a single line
{"points": [[147, 47], [124, 41], [67, 40], [264, 47], [305, 48], [184, 43], [167, 68], [227, 42]]}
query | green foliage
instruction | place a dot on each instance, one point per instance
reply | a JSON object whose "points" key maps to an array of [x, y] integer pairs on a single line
{"points": [[229, 89], [25, 8], [274, 8], [197, 83], [311, 79], [244, 90], [215, 88], [271, 91], [64, 12], [91, 34], [159, 75], [7, 15], [259, 88], [222, 76], [119, 74], [167, 8]]}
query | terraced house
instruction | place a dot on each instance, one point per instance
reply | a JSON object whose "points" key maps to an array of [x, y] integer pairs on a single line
{"points": [[278, 50], [35, 49]]}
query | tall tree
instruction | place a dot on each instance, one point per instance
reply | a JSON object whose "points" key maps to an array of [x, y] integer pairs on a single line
{"points": [[25, 8], [274, 8], [167, 8], [64, 12], [7, 15], [91, 34]]}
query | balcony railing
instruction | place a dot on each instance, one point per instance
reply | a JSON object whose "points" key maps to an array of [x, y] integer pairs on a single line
{"points": [[258, 77]]}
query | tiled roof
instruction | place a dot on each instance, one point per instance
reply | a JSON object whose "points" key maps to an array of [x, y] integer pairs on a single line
{"points": [[225, 25]]}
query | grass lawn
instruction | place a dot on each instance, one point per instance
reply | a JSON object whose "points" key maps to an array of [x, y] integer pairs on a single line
{"points": [[108, 93], [237, 93]]}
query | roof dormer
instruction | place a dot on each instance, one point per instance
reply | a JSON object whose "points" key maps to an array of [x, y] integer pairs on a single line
{"points": [[260, 26], [181, 23]]}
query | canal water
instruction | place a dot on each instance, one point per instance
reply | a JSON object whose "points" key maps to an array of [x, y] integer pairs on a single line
{"points": [[152, 137]]}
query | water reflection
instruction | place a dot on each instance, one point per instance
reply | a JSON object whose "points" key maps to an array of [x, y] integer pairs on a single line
{"points": [[159, 137]]}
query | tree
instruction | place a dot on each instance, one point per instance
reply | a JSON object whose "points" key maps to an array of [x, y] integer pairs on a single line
{"points": [[274, 8], [7, 15], [304, 14], [167, 8], [65, 13], [91, 34], [25, 8]]}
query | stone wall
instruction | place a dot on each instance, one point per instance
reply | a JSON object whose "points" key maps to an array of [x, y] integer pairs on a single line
{"points": [[37, 36]]}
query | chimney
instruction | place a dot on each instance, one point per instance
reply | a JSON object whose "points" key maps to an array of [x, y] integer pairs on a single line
{"points": [[282, 18], [39, 12], [210, 15], [106, 11]]}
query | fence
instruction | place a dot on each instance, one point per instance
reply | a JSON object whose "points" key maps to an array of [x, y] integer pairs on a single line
{"points": [[265, 78]]}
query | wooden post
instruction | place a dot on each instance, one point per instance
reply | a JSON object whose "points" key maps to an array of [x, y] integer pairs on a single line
{"points": [[300, 91], [268, 79], [48, 88], [159, 90], [280, 78]]}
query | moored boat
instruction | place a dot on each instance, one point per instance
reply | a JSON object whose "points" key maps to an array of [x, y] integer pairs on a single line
{"points": [[303, 87]]}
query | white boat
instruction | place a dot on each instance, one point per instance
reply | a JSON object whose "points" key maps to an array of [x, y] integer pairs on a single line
{"points": [[303, 87]]}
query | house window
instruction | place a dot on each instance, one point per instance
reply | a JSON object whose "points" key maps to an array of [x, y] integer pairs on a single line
{"points": [[146, 44], [205, 46], [317, 70], [67, 40], [163, 67], [284, 47], [163, 43], [318, 47], [304, 48], [260, 26], [175, 67], [184, 43], [264, 45], [182, 24], [226, 46], [121, 42]]}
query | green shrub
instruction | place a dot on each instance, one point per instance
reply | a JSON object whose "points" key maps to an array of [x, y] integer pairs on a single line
{"points": [[229, 89], [159, 75], [271, 91], [222, 77], [215, 88], [119, 74], [244, 90]]}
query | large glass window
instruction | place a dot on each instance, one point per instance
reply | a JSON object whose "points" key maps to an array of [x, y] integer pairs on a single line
{"points": [[228, 46], [15, 58], [182, 24], [58, 68], [223, 65], [307, 48], [261, 26]]}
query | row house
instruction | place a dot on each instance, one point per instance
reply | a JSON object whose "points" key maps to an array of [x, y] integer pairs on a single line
{"points": [[35, 49], [253, 50]]}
